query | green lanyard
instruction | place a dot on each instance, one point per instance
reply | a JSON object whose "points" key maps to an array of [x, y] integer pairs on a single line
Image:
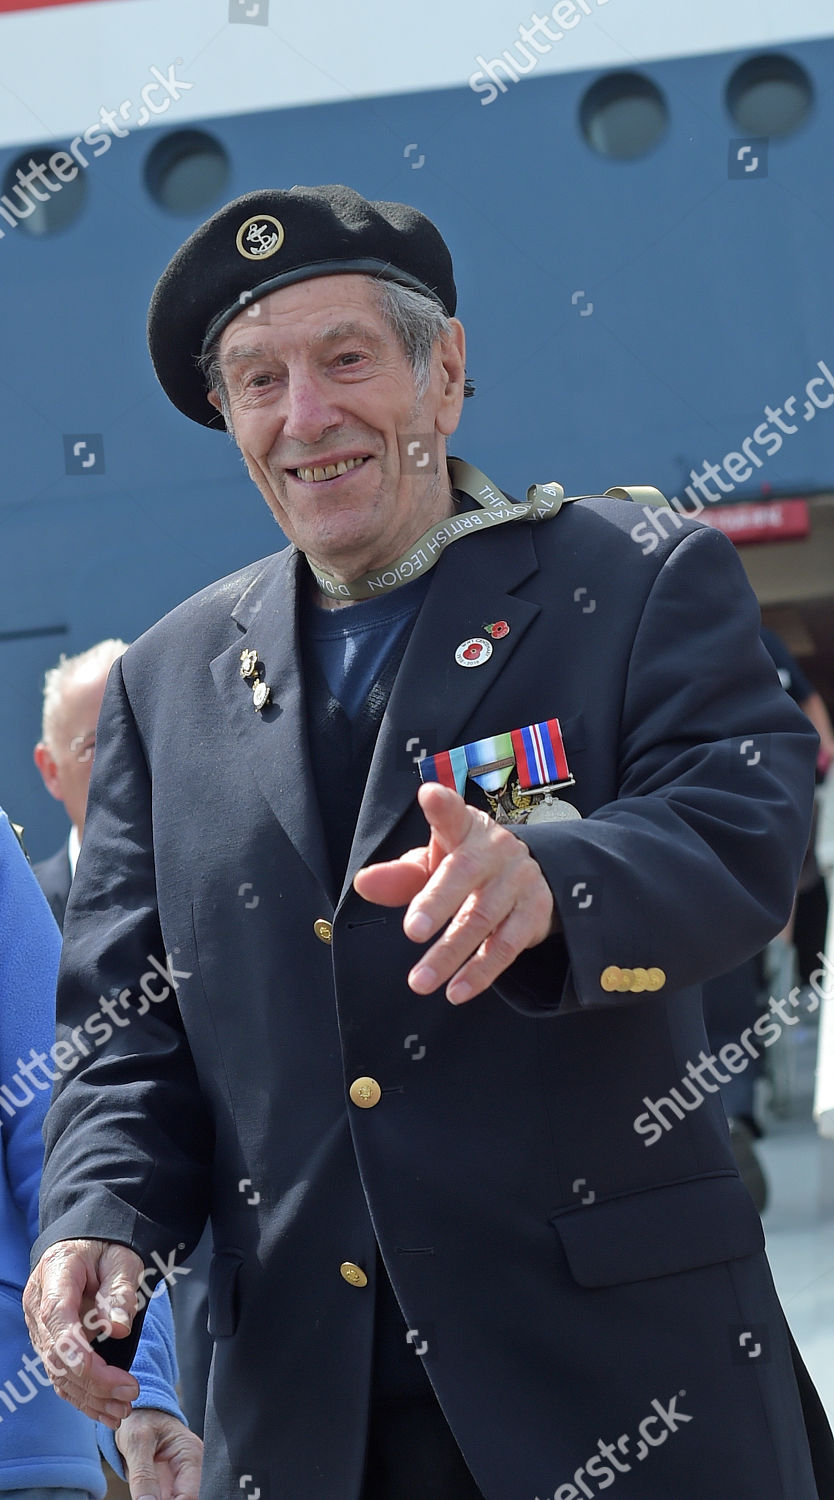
{"points": [[494, 509]]}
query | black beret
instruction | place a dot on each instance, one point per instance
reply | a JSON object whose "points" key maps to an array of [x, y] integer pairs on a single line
{"points": [[267, 240]]}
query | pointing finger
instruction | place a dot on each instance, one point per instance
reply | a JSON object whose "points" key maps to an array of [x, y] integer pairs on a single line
{"points": [[394, 882], [446, 814]]}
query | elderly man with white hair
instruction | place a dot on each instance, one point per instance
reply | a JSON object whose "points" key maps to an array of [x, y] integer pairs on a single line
{"points": [[72, 695]]}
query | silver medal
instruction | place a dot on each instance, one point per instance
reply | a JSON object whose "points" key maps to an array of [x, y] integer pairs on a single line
{"points": [[552, 810]]}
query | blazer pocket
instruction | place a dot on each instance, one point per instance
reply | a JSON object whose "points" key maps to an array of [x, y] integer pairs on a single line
{"points": [[678, 1227], [224, 1294]]}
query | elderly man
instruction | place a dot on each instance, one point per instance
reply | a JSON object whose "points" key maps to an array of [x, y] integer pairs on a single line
{"points": [[450, 1257], [72, 694]]}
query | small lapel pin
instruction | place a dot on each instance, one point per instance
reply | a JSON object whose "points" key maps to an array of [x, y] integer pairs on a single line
{"points": [[252, 671], [473, 652], [497, 630]]}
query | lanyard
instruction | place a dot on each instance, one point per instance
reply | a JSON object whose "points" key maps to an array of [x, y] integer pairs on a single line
{"points": [[494, 509]]}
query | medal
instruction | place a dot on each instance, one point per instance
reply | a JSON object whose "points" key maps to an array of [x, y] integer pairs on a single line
{"points": [[537, 755], [543, 809]]}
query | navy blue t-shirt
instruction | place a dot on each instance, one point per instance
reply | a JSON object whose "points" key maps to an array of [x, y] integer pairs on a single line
{"points": [[351, 644]]}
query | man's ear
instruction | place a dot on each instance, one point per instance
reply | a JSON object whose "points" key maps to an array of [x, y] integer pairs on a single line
{"points": [[215, 400], [45, 762], [453, 365]]}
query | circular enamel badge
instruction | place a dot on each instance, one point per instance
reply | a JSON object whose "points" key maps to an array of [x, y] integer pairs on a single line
{"points": [[474, 652], [260, 237]]}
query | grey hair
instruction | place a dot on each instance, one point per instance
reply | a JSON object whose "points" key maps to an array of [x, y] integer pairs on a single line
{"points": [[57, 679], [417, 321]]}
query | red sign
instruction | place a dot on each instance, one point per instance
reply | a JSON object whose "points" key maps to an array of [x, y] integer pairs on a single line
{"points": [[9, 5], [760, 521]]}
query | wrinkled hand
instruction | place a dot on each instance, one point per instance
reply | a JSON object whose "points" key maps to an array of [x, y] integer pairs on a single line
{"points": [[162, 1458], [475, 875], [78, 1290]]}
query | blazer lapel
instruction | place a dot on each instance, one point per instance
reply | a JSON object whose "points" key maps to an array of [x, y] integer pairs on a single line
{"points": [[275, 740], [434, 698]]}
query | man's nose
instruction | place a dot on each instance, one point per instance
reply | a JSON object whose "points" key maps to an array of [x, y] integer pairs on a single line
{"points": [[309, 412]]}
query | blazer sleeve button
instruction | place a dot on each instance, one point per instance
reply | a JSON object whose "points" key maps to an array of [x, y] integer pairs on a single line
{"points": [[353, 1274]]}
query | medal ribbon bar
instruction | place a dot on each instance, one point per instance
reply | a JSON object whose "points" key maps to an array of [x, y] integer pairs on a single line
{"points": [[536, 752], [540, 756]]}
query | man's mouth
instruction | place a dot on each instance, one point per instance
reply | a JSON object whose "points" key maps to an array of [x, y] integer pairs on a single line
{"points": [[329, 471]]}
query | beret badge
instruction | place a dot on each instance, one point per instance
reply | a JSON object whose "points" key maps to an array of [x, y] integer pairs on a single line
{"points": [[260, 237]]}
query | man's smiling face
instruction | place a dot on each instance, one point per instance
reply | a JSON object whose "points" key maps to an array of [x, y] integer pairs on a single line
{"points": [[323, 403]]}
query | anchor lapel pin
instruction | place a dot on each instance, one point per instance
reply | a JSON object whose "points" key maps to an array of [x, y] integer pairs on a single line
{"points": [[252, 672]]}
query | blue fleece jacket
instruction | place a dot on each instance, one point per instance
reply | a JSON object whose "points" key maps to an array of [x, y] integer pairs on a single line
{"points": [[43, 1440]]}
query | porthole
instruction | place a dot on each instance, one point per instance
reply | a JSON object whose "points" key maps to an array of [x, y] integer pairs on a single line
{"points": [[186, 172], [770, 96], [44, 191], [623, 115]]}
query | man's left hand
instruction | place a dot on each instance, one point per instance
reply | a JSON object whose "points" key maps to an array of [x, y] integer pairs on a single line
{"points": [[475, 875], [162, 1458]]}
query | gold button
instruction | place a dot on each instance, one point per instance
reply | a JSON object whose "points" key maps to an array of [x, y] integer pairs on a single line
{"points": [[656, 979], [610, 978], [354, 1274], [323, 930], [365, 1092], [626, 980], [640, 980]]}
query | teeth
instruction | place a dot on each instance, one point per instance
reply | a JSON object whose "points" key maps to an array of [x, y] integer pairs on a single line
{"points": [[330, 471]]}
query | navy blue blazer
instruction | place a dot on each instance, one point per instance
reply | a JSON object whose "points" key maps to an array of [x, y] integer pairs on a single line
{"points": [[55, 878], [591, 1299]]}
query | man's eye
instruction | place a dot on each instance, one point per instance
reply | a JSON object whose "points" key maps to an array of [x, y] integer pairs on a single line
{"points": [[350, 359]]}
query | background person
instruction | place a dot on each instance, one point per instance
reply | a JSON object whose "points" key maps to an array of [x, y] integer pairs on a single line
{"points": [[48, 1450], [809, 919], [733, 1001], [72, 696]]}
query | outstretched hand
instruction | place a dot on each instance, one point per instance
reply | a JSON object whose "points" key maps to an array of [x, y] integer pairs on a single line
{"points": [[475, 876]]}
